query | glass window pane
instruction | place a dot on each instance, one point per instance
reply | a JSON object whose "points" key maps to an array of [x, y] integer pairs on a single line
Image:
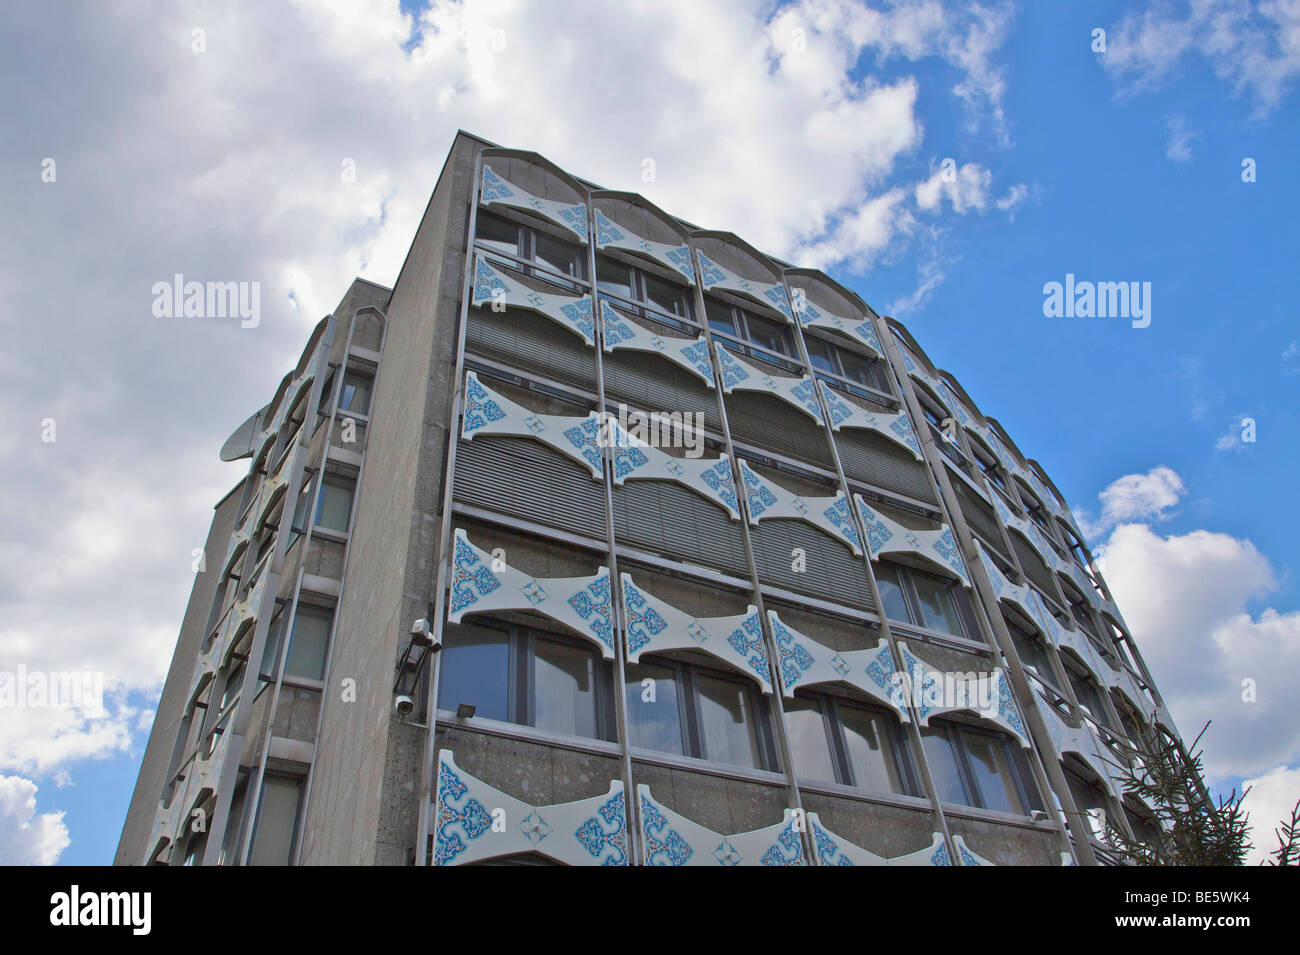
{"points": [[558, 255], [993, 772], [891, 592], [766, 334], [654, 720], [308, 643], [497, 233], [859, 369], [273, 843], [564, 689], [937, 609], [475, 669], [721, 318], [334, 503], [666, 296], [613, 277], [942, 761], [819, 353], [809, 746], [870, 749], [356, 393], [727, 725]]}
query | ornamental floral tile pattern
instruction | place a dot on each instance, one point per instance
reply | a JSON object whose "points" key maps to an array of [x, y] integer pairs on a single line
{"points": [[767, 501], [481, 583], [741, 375], [987, 696], [475, 821], [885, 536], [860, 330], [835, 850], [770, 294], [492, 286], [497, 189], [672, 839], [620, 331], [489, 413], [675, 256], [654, 625], [805, 662]]}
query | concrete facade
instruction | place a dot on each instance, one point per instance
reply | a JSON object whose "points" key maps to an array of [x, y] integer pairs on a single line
{"points": [[278, 728]]}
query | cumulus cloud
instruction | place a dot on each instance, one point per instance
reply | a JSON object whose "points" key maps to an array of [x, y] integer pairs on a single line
{"points": [[1253, 46], [1269, 803], [1134, 497], [27, 838]]}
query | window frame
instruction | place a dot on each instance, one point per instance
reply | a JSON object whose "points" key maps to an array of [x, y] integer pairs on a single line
{"points": [[954, 731], [829, 708], [525, 254], [912, 599], [742, 334]]}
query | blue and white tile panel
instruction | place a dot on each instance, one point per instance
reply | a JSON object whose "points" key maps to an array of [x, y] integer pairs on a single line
{"points": [[474, 821], [835, 850], [653, 626], [489, 413], [805, 662], [859, 330], [498, 190], [917, 370], [634, 459], [987, 696], [618, 331], [670, 839], [885, 536], [765, 500], [480, 583], [573, 312], [771, 295], [740, 375], [614, 236], [849, 414], [1084, 743]]}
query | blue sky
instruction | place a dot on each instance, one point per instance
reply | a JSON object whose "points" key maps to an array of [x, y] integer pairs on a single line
{"points": [[1123, 165]]}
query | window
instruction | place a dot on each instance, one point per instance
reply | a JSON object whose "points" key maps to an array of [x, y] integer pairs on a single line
{"points": [[356, 393], [334, 502], [271, 653], [277, 821], [912, 596], [691, 711], [845, 364], [518, 674], [1032, 652], [986, 464], [522, 242], [976, 767], [309, 642], [840, 741], [637, 285], [234, 680], [744, 325], [1085, 691]]}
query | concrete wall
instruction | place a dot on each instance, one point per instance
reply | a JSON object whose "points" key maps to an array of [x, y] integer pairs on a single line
{"points": [[171, 705], [365, 772]]}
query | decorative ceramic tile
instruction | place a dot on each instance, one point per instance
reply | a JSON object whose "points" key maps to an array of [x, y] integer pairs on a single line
{"points": [[480, 583], [670, 839], [498, 190], [611, 235], [619, 331], [765, 501], [770, 294], [846, 413], [885, 536], [859, 330], [474, 821], [805, 662], [741, 375], [492, 285], [654, 625], [987, 696]]}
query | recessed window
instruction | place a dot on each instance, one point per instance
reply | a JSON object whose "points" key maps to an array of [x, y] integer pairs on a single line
{"points": [[532, 677], [277, 821], [840, 741], [639, 286], [356, 393], [925, 600], [744, 325], [334, 502], [523, 242], [977, 767], [696, 712], [843, 363], [497, 233], [309, 643]]}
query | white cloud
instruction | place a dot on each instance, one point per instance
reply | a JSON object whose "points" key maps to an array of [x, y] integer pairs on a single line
{"points": [[1269, 803], [1185, 599], [1134, 497], [25, 837], [1179, 147], [1240, 427], [1253, 46]]}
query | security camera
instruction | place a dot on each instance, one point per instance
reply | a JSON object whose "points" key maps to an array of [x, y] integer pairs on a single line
{"points": [[422, 635], [404, 704]]}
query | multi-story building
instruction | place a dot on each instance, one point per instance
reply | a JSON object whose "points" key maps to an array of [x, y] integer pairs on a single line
{"points": [[604, 539]]}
